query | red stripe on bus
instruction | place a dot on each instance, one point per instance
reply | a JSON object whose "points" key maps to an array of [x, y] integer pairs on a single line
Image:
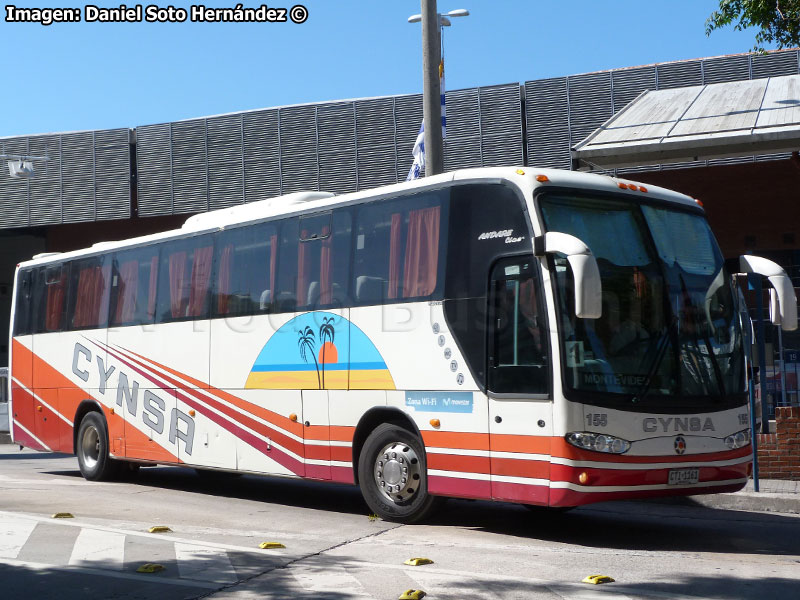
{"points": [[341, 453], [458, 462], [621, 477], [459, 487], [567, 497], [342, 474], [22, 438], [520, 492], [520, 467]]}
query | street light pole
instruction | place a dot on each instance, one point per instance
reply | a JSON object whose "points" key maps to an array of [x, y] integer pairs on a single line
{"points": [[431, 92]]}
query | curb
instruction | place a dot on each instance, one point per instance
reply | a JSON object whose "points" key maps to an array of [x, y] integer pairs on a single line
{"points": [[765, 502], [5, 438]]}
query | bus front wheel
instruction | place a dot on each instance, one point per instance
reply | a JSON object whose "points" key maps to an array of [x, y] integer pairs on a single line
{"points": [[392, 475], [92, 449]]}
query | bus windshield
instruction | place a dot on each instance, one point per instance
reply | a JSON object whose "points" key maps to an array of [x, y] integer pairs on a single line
{"points": [[669, 336]]}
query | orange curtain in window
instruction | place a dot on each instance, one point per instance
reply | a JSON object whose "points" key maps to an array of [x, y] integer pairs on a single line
{"points": [[395, 253], [422, 252], [84, 297], [55, 305], [177, 274], [224, 280], [302, 271], [126, 294], [326, 268], [201, 277], [151, 296]]}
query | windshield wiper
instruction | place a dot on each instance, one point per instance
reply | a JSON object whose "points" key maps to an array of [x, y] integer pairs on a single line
{"points": [[661, 346]]}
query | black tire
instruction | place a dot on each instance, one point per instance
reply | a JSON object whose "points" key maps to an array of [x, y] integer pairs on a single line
{"points": [[92, 449], [407, 499]]}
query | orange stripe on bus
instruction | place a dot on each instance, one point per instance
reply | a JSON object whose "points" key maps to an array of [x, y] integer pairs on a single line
{"points": [[529, 444], [340, 433], [454, 439], [22, 363], [341, 454]]}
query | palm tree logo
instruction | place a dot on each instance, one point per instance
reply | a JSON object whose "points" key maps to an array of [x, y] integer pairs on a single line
{"points": [[307, 342], [326, 334]]}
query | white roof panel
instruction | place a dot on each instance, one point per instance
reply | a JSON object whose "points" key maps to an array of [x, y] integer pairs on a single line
{"points": [[701, 122]]}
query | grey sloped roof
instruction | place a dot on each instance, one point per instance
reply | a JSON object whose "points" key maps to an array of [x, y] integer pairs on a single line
{"points": [[699, 122]]}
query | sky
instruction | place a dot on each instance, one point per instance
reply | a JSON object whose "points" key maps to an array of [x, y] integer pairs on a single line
{"points": [[82, 76]]}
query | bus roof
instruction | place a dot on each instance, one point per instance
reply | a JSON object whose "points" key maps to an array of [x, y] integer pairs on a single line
{"points": [[304, 202]]}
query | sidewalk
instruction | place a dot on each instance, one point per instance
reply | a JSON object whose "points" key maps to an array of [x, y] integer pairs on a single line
{"points": [[774, 495]]}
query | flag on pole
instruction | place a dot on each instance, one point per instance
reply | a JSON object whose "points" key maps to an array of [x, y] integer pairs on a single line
{"points": [[419, 145]]}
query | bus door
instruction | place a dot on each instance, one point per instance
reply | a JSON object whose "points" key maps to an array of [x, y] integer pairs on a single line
{"points": [[518, 382]]}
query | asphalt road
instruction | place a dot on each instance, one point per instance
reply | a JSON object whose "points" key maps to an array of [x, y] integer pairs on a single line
{"points": [[333, 549]]}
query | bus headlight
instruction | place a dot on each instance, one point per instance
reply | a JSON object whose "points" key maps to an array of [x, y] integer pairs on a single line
{"points": [[599, 442], [740, 439]]}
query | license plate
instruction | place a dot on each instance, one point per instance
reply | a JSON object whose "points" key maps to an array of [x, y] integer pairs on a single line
{"points": [[683, 476]]}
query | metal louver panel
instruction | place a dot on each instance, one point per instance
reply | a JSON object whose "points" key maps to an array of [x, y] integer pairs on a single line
{"points": [[45, 187], [13, 192], [408, 119], [462, 148], [112, 174], [262, 155], [774, 64], [189, 167], [375, 142], [726, 68], [547, 119], [679, 74], [77, 177], [376, 166], [589, 103], [154, 170], [225, 161], [627, 84], [298, 134], [501, 125], [337, 147]]}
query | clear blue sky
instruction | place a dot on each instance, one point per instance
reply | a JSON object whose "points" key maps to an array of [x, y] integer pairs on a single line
{"points": [[68, 77]]}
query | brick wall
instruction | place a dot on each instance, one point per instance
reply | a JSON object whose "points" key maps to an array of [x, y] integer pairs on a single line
{"points": [[779, 452]]}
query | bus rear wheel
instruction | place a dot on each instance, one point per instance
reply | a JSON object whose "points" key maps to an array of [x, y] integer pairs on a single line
{"points": [[92, 449], [392, 475]]}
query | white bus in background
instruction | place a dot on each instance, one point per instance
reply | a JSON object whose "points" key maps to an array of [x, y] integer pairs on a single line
{"points": [[527, 335]]}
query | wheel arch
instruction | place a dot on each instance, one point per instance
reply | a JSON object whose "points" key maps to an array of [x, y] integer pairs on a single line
{"points": [[84, 408], [372, 419]]}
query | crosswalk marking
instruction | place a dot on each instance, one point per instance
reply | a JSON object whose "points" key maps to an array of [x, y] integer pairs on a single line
{"points": [[207, 564], [13, 535], [94, 548]]}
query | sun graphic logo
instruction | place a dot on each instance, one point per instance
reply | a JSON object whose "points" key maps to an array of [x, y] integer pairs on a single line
{"points": [[680, 444]]}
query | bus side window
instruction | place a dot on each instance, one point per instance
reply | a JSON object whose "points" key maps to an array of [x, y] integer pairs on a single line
{"points": [[323, 260], [518, 346], [399, 249], [23, 305], [184, 279], [133, 287], [88, 293], [50, 289], [244, 271]]}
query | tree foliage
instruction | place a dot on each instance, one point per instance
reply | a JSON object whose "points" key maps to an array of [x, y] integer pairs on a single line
{"points": [[778, 21]]}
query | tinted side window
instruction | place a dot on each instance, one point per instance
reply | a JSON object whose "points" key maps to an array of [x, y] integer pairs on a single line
{"points": [[133, 287], [184, 279], [285, 298], [245, 269], [50, 294], [88, 293], [24, 299], [399, 249], [323, 260]]}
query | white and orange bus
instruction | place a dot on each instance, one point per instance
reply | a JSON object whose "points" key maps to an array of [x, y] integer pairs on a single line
{"points": [[527, 335]]}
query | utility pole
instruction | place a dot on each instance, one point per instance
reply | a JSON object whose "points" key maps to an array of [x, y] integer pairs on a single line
{"points": [[431, 92]]}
